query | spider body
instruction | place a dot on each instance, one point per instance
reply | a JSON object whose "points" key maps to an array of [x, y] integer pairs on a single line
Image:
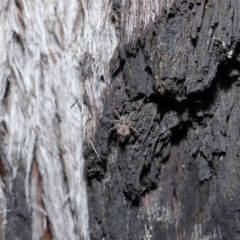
{"points": [[123, 126]]}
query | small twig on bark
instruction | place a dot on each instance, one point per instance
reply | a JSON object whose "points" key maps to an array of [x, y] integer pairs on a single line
{"points": [[163, 44], [74, 102], [95, 151], [8, 210]]}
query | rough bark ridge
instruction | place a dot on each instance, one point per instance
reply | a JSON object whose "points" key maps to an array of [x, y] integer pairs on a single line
{"points": [[43, 191], [179, 81]]}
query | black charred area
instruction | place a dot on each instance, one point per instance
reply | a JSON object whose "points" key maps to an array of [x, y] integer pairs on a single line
{"points": [[178, 177]]}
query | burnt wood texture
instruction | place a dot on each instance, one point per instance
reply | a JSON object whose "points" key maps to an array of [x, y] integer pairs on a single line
{"points": [[179, 177]]}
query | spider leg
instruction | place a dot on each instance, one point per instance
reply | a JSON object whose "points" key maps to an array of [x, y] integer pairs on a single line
{"points": [[131, 122], [111, 129], [114, 121], [117, 114], [136, 131]]}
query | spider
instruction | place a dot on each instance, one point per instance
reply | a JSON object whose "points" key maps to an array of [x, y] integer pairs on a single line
{"points": [[123, 126]]}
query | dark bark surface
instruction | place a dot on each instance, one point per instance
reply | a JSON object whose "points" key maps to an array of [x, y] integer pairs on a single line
{"points": [[19, 217], [178, 177]]}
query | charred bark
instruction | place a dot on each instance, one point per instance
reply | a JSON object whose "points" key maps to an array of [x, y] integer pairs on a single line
{"points": [[179, 81]]}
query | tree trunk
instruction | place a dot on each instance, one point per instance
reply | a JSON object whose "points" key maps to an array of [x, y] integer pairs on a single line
{"points": [[43, 194], [133, 102], [177, 78]]}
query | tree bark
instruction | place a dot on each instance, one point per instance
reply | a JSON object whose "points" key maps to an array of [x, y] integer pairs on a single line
{"points": [[119, 119], [178, 79], [43, 194]]}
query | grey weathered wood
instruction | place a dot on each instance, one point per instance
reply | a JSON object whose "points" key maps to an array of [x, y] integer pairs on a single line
{"points": [[43, 46]]}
